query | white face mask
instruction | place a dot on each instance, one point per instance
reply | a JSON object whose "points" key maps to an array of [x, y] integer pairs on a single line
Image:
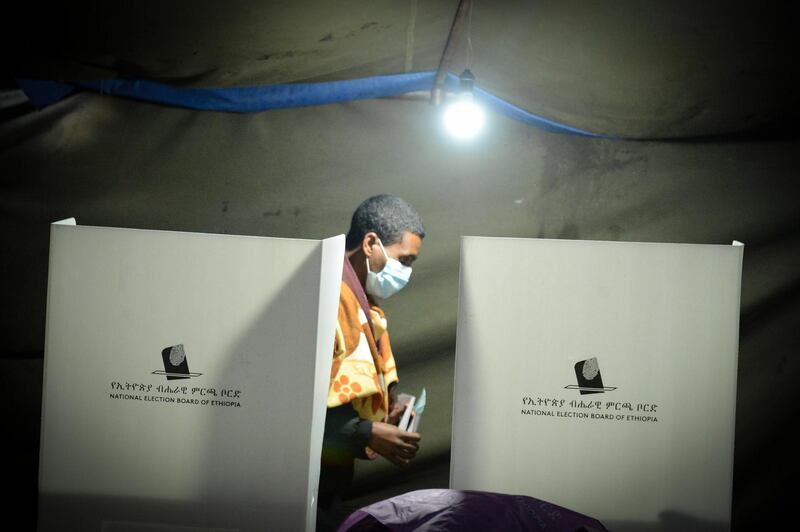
{"points": [[390, 280]]}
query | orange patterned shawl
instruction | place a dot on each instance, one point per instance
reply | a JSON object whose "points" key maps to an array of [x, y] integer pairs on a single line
{"points": [[363, 366]]}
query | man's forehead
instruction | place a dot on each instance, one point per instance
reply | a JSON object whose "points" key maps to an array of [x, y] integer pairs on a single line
{"points": [[411, 239]]}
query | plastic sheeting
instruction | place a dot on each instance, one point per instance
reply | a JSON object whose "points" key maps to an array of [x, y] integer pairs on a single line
{"points": [[300, 173], [628, 68]]}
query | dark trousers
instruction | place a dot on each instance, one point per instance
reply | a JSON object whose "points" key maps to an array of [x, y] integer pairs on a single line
{"points": [[335, 480]]}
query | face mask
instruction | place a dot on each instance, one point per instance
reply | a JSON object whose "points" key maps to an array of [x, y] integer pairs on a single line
{"points": [[390, 280]]}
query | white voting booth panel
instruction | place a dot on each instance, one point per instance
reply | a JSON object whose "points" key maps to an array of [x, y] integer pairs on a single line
{"points": [[185, 379], [599, 376]]}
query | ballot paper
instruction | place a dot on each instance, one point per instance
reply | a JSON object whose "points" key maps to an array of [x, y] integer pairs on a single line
{"points": [[419, 408], [412, 415]]}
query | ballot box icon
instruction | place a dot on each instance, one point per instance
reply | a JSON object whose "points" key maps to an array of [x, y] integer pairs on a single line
{"points": [[589, 378], [176, 365]]}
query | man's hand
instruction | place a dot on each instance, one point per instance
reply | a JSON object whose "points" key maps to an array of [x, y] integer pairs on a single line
{"points": [[396, 445]]}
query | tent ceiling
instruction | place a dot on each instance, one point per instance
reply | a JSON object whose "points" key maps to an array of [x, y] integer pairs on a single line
{"points": [[631, 68]]}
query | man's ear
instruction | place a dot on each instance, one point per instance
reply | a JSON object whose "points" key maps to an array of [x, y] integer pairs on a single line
{"points": [[370, 239]]}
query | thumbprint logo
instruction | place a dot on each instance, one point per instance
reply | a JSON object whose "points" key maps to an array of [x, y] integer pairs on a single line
{"points": [[175, 364], [589, 378]]}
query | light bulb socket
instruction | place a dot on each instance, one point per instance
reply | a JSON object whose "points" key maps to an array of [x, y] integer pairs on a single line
{"points": [[466, 82]]}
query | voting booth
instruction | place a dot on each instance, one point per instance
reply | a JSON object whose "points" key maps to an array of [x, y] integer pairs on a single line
{"points": [[600, 376], [185, 378]]}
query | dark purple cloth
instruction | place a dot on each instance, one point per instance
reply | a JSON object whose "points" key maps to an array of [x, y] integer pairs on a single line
{"points": [[350, 278], [443, 510]]}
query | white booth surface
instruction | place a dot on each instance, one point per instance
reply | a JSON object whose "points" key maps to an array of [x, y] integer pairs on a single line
{"points": [[600, 376], [185, 379]]}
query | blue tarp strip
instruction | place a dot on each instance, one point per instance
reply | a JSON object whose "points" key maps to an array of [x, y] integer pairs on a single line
{"points": [[279, 96], [42, 93]]}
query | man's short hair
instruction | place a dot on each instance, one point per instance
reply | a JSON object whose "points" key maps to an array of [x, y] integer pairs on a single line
{"points": [[388, 216]]}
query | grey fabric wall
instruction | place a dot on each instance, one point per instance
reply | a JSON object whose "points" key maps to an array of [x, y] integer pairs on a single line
{"points": [[630, 68], [299, 173]]}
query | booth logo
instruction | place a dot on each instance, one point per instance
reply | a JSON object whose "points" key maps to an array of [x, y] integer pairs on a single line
{"points": [[175, 364], [589, 378]]}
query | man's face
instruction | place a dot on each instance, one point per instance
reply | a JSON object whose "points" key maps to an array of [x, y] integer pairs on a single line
{"points": [[406, 251]]}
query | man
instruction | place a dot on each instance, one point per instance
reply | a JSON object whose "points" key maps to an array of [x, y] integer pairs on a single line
{"points": [[384, 240]]}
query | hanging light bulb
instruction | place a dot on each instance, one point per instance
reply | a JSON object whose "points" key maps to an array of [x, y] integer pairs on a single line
{"points": [[463, 118]]}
